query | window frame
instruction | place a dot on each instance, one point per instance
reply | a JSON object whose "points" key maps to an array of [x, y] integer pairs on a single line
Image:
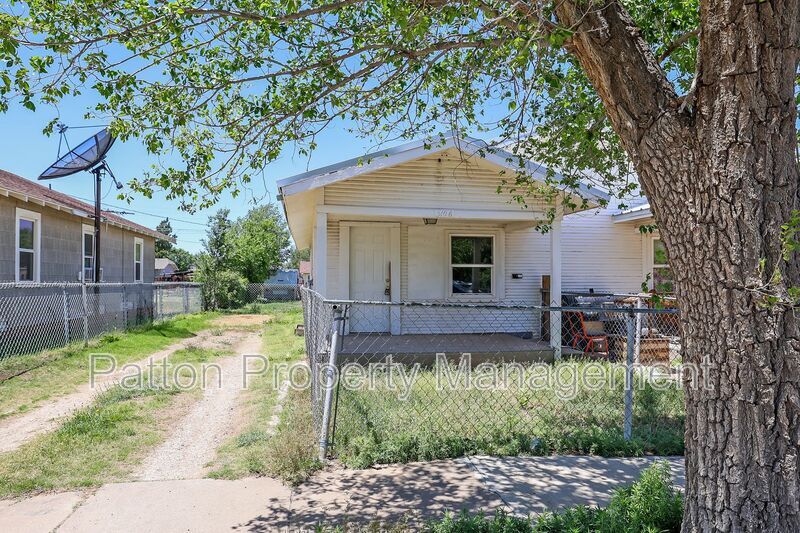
{"points": [[138, 241], [493, 266], [650, 259], [86, 229], [36, 218]]}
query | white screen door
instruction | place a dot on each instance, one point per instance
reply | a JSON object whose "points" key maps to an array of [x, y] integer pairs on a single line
{"points": [[369, 272]]}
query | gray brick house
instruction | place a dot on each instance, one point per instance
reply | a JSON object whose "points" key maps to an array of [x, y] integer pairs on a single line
{"points": [[48, 236]]}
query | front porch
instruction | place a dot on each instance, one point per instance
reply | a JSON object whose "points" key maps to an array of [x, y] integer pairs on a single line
{"points": [[423, 348]]}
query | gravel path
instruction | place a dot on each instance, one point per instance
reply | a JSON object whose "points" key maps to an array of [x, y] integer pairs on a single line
{"points": [[17, 430], [193, 445]]}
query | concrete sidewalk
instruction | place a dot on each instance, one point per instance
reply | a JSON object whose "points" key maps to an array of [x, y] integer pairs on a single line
{"points": [[409, 493]]}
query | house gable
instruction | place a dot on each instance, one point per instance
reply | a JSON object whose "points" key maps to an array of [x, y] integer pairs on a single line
{"points": [[444, 181], [456, 178]]}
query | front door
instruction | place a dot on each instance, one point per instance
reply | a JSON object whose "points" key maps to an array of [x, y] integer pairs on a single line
{"points": [[369, 277]]}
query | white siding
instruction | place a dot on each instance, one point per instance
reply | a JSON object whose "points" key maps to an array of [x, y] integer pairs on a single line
{"points": [[599, 254], [423, 270], [335, 289], [527, 253], [442, 180]]}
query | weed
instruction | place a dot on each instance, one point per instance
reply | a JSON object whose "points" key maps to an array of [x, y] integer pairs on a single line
{"points": [[651, 504], [376, 426]]}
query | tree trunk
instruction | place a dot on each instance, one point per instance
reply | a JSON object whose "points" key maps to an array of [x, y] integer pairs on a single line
{"points": [[721, 177]]}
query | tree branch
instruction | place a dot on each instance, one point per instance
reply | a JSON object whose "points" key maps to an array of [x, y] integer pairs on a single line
{"points": [[677, 43], [621, 66]]}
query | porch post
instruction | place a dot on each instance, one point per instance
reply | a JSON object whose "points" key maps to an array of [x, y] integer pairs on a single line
{"points": [[555, 282], [319, 254]]}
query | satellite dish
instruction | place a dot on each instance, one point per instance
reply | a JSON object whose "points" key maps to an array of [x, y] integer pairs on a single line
{"points": [[89, 155], [83, 157]]}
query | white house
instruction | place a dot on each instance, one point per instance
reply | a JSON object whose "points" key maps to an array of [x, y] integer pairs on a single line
{"points": [[604, 250], [420, 223]]}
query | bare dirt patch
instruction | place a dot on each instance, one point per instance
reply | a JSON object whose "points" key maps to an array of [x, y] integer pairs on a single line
{"points": [[17, 430], [242, 321], [192, 446]]}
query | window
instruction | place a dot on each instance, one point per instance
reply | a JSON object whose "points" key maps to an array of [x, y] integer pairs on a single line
{"points": [[28, 237], [138, 251], [471, 264], [88, 253], [662, 273]]}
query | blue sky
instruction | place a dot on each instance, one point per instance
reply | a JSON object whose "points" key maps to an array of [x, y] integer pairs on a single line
{"points": [[27, 151]]}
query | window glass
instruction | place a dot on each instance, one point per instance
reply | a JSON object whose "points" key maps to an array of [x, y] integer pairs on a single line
{"points": [[471, 260], [663, 280], [88, 257], [88, 244], [471, 250], [26, 266], [26, 228], [137, 261], [472, 280], [659, 252]]}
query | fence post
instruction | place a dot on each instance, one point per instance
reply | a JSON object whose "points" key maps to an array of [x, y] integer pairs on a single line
{"points": [[66, 313], [638, 343], [185, 299], [124, 308], [627, 430], [85, 316], [329, 384]]}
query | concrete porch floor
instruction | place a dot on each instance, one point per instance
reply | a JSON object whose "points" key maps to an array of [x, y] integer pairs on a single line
{"points": [[422, 348]]}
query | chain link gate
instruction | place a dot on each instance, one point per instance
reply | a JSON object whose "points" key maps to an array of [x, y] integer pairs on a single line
{"points": [[484, 376]]}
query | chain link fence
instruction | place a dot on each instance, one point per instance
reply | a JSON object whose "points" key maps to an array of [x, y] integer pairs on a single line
{"points": [[272, 292], [41, 316], [413, 381]]}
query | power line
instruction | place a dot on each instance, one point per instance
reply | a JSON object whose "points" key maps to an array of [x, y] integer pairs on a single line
{"points": [[150, 214]]}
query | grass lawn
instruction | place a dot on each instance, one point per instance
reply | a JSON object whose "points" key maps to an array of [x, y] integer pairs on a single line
{"points": [[376, 426], [102, 442], [40, 377], [288, 453]]}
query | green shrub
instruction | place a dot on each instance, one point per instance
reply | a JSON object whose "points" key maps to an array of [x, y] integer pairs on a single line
{"points": [[222, 289], [651, 504]]}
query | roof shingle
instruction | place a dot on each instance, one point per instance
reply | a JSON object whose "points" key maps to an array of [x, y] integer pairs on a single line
{"points": [[17, 184]]}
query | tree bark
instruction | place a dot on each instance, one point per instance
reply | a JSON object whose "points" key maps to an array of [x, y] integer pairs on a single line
{"points": [[721, 177]]}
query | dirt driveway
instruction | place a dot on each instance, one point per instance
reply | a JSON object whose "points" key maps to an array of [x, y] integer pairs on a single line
{"points": [[19, 429]]}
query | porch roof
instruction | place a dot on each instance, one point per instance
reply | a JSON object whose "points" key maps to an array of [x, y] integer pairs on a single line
{"points": [[639, 212]]}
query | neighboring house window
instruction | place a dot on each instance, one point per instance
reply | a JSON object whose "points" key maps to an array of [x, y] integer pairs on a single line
{"points": [[88, 254], [471, 264], [28, 245], [138, 251], [662, 273]]}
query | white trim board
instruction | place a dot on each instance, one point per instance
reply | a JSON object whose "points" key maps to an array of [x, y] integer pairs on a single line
{"points": [[432, 212], [36, 218], [138, 241]]}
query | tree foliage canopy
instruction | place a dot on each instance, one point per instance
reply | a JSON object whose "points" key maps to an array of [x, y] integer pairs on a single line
{"points": [[227, 84], [258, 243]]}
